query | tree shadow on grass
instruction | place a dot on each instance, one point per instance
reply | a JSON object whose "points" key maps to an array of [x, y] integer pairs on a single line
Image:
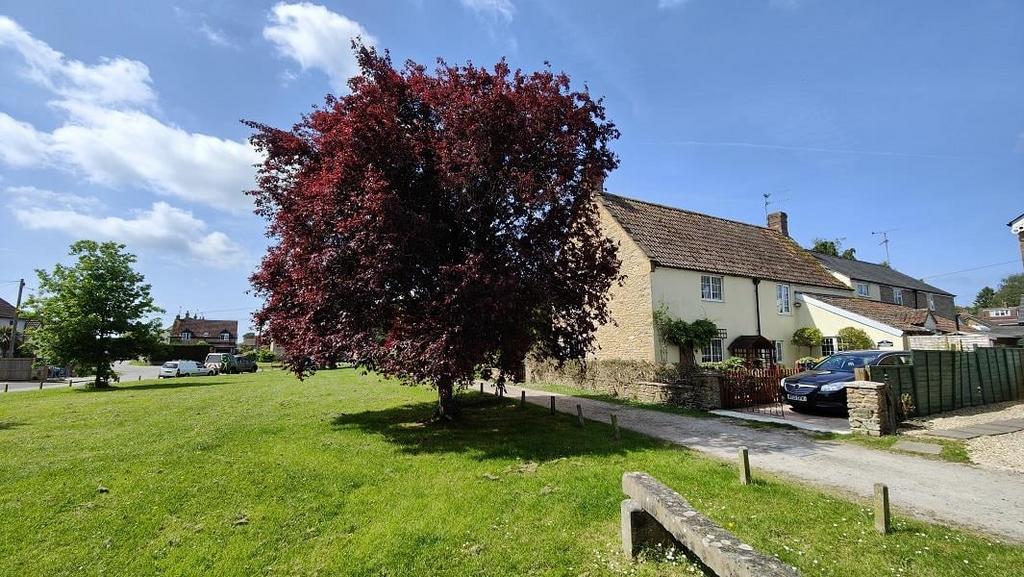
{"points": [[164, 384], [492, 428], [5, 425]]}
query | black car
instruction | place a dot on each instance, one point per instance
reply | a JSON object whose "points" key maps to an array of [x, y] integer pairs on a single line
{"points": [[824, 386]]}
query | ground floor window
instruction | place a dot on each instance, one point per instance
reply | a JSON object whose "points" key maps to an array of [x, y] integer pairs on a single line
{"points": [[779, 346], [714, 352], [829, 346]]}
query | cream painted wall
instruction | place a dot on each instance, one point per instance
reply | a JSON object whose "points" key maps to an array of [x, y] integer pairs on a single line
{"points": [[829, 324], [680, 291]]}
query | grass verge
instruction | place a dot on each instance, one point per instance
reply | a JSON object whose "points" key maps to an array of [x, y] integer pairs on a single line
{"points": [[341, 474]]}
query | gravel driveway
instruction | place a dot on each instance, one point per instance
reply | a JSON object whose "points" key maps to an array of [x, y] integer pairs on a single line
{"points": [[997, 451]]}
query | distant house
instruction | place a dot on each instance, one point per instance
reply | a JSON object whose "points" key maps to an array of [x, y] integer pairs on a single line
{"points": [[1017, 227], [882, 283], [221, 335], [7, 316], [1002, 316]]}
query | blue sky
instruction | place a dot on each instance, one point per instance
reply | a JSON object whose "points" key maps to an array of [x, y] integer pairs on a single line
{"points": [[120, 119]]}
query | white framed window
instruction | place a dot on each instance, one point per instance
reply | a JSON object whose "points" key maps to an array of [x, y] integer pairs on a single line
{"points": [[224, 336], [711, 288], [863, 289], [999, 313], [829, 346], [931, 302], [186, 336], [714, 352], [782, 299], [897, 296], [779, 349]]}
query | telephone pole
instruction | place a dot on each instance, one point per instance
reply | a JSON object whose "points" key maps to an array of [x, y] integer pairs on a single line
{"points": [[14, 327]]}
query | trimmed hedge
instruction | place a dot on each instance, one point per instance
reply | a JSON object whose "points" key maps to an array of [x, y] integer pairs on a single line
{"points": [[173, 352]]}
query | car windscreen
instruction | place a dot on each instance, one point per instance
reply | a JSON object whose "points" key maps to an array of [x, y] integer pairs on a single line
{"points": [[846, 362], [170, 365]]}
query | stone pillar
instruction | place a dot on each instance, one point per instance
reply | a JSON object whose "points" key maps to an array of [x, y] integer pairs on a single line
{"points": [[640, 529], [869, 408]]}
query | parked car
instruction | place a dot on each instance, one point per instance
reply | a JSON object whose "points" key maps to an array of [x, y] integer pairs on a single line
{"points": [[221, 363], [245, 364], [824, 386], [182, 368]]}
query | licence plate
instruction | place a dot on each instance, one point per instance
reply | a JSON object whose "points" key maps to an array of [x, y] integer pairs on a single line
{"points": [[797, 398]]}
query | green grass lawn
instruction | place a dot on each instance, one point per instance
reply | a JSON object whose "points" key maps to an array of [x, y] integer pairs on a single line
{"points": [[339, 475]]}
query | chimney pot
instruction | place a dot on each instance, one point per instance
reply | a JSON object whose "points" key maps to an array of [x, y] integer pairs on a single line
{"points": [[779, 221]]}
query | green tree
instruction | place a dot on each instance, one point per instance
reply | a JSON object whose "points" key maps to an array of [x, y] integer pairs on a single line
{"points": [[833, 247], [1010, 290], [809, 337], [986, 298], [94, 312], [688, 336], [854, 339]]}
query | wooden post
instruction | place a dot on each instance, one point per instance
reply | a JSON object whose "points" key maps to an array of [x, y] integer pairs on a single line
{"points": [[883, 521], [140, 377], [522, 399], [744, 466], [40, 385], [552, 404], [615, 427], [579, 413], [5, 389], [481, 386]]}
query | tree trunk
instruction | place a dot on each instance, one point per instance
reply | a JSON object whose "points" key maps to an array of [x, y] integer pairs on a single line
{"points": [[686, 357], [445, 400]]}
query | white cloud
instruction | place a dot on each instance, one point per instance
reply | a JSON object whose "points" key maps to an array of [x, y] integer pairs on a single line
{"points": [[502, 8], [110, 139], [21, 145], [163, 229], [215, 36], [119, 148], [316, 37], [32, 197], [114, 81]]}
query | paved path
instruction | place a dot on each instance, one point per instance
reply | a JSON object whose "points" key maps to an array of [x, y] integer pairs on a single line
{"points": [[127, 372], [986, 500], [980, 430]]}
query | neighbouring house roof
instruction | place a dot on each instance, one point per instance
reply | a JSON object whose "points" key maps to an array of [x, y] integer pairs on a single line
{"points": [[1014, 317], [676, 238], [876, 273], [6, 310], [1015, 220], [203, 328], [900, 317], [967, 319]]}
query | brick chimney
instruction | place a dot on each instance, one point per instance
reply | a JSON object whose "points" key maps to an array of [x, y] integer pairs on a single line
{"points": [[779, 221]]}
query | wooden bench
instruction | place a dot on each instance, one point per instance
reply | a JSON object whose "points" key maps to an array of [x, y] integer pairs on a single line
{"points": [[656, 515]]}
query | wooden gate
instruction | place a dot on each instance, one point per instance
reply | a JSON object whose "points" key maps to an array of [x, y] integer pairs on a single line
{"points": [[755, 390]]}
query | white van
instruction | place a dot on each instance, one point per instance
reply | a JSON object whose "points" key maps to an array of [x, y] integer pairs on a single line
{"points": [[183, 369]]}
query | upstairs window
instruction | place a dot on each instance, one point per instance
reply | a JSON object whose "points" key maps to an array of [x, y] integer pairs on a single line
{"points": [[782, 299], [863, 289], [710, 288], [186, 336], [225, 336], [897, 296]]}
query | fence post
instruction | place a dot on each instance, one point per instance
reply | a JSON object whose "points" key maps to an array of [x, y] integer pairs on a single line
{"points": [[40, 385], [579, 413], [882, 519], [481, 386], [552, 404], [5, 388], [744, 466], [522, 399], [615, 427]]}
